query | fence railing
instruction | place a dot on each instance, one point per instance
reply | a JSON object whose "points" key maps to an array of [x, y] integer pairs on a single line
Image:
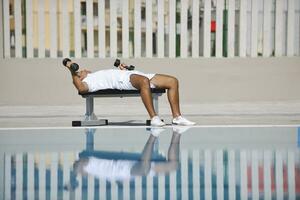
{"points": [[151, 28], [208, 174]]}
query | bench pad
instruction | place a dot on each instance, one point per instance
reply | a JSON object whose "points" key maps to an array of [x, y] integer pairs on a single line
{"points": [[114, 92]]}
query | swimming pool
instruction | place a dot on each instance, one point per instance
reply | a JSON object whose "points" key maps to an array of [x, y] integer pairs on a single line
{"points": [[116, 162]]}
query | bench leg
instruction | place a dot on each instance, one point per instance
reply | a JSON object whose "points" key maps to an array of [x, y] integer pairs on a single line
{"points": [[90, 118], [89, 114]]}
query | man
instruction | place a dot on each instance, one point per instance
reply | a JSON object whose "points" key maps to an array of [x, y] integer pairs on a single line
{"points": [[123, 79]]}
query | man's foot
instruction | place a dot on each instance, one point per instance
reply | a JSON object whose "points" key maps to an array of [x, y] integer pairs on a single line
{"points": [[182, 121], [180, 129], [156, 121], [156, 131]]}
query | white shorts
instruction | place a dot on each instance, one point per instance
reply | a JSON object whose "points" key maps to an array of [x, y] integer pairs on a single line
{"points": [[126, 84]]}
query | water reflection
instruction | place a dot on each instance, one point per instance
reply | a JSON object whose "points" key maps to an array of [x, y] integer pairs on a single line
{"points": [[176, 165], [125, 166]]}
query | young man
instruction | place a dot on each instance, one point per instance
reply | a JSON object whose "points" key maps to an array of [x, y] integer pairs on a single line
{"points": [[123, 79]]}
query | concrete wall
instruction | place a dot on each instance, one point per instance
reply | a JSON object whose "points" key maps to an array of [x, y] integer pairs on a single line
{"points": [[47, 82]]}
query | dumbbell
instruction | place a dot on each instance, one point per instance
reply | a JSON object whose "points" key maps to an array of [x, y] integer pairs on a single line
{"points": [[74, 66], [118, 62]]}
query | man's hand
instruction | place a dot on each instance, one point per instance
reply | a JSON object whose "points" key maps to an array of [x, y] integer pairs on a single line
{"points": [[122, 66]]}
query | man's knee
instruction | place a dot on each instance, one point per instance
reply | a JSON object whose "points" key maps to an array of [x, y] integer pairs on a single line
{"points": [[145, 82], [174, 82]]}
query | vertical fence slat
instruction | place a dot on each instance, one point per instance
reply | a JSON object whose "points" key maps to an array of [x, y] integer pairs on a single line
{"points": [[291, 28], [231, 174], [291, 175], [196, 174], [102, 189], [19, 176], [172, 28], [101, 28], [219, 28], [78, 191], [244, 175], [30, 175], [254, 28], [113, 28], [53, 171], [138, 187], [65, 28], [90, 28], [1, 49], [184, 174], [207, 175], [243, 28], [173, 183], [149, 185], [161, 187], [66, 173], [267, 28], [220, 174], [183, 29], [18, 28], [160, 29], [7, 184], [29, 33], [267, 175], [278, 27], [125, 29], [6, 28], [279, 174], [231, 28], [41, 28], [149, 28], [195, 29], [207, 28], [42, 176], [137, 28], [91, 186], [77, 29], [126, 190], [53, 28], [254, 167]]}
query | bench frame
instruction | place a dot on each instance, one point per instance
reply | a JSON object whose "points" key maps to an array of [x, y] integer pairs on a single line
{"points": [[91, 119]]}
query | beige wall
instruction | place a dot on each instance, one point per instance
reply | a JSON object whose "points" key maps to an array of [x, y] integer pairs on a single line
{"points": [[47, 82]]}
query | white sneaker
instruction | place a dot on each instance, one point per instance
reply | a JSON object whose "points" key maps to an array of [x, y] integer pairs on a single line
{"points": [[182, 121], [180, 129], [156, 121], [156, 131]]}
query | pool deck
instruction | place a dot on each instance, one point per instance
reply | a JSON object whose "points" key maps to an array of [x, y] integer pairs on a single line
{"points": [[133, 113]]}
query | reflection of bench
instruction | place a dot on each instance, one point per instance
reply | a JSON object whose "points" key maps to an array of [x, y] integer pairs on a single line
{"points": [[113, 155], [90, 117], [110, 155]]}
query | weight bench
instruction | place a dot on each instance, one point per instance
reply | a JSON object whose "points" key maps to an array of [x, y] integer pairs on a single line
{"points": [[90, 117]]}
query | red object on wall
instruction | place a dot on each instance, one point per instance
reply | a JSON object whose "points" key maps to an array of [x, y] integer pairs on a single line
{"points": [[213, 26]]}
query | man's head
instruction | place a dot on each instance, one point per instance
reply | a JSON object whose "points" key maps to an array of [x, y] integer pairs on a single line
{"points": [[83, 73]]}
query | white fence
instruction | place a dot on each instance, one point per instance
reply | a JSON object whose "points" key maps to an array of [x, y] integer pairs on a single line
{"points": [[151, 28], [203, 174]]}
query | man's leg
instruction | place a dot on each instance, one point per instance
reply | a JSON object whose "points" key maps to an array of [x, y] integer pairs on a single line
{"points": [[170, 83], [143, 84]]}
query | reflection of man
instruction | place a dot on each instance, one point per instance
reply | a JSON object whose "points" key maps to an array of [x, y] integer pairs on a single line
{"points": [[121, 169]]}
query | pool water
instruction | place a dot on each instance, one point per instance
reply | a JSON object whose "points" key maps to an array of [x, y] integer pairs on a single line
{"points": [[150, 163]]}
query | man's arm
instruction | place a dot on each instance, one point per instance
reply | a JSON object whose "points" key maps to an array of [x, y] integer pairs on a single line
{"points": [[82, 87]]}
